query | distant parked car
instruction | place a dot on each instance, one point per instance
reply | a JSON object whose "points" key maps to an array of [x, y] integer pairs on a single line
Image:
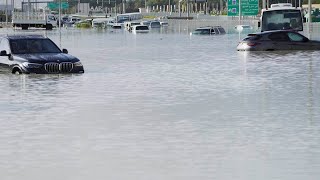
{"points": [[277, 40], [139, 29], [147, 23], [164, 24], [243, 28], [128, 25], [35, 54], [209, 30], [154, 24]]}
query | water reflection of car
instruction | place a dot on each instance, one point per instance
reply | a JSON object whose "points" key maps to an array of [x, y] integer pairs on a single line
{"points": [[35, 54], [209, 30], [277, 40]]}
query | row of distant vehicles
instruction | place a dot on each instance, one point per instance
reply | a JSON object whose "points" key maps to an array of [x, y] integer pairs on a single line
{"points": [[25, 20], [280, 26], [128, 21], [37, 54]]}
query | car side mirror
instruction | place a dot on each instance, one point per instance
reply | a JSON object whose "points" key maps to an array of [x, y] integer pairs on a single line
{"points": [[65, 51], [305, 40], [3, 53]]}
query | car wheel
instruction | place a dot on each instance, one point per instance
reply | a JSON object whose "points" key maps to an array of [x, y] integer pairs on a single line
{"points": [[16, 71], [24, 27], [49, 27]]}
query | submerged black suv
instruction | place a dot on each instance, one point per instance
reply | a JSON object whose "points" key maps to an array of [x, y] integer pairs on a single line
{"points": [[35, 54]]}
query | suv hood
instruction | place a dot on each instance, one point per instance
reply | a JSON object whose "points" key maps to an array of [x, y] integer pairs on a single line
{"points": [[42, 58]]}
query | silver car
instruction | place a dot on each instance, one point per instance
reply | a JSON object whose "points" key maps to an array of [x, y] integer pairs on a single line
{"points": [[209, 30], [277, 40]]}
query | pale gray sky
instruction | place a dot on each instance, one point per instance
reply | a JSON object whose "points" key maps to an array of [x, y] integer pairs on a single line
{"points": [[17, 3]]}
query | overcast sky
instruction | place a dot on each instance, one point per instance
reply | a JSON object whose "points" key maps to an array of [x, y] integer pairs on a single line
{"points": [[17, 3]]}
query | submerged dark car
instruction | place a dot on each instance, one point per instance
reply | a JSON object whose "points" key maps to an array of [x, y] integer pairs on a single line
{"points": [[277, 40], [35, 54]]}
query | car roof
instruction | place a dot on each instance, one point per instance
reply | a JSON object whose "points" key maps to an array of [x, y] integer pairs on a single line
{"points": [[270, 32], [209, 27], [140, 25], [275, 31], [25, 36]]}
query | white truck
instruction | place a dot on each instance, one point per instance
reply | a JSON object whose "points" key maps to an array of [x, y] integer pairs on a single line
{"points": [[33, 19]]}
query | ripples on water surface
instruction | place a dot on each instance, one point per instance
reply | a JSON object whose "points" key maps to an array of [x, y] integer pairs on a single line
{"points": [[163, 106]]}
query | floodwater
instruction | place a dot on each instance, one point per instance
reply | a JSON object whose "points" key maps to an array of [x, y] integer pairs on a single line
{"points": [[163, 106]]}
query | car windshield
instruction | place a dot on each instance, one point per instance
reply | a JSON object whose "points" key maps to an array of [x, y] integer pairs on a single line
{"points": [[282, 19], [155, 24], [202, 31], [142, 28], [222, 31], [252, 37], [27, 46]]}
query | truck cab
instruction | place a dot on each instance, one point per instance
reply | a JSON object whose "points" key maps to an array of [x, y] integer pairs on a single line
{"points": [[281, 16]]}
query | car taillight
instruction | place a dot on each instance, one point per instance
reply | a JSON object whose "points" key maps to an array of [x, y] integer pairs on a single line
{"points": [[252, 43]]}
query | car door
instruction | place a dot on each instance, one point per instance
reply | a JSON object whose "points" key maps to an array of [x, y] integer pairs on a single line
{"points": [[4, 60], [299, 42], [279, 41], [212, 31]]}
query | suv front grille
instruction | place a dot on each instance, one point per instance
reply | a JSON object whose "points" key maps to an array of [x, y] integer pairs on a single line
{"points": [[58, 68]]}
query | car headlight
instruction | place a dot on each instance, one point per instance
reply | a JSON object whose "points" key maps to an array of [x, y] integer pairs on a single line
{"points": [[77, 63], [31, 65]]}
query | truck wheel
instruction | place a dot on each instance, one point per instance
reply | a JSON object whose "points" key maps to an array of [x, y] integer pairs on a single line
{"points": [[24, 27], [49, 27]]}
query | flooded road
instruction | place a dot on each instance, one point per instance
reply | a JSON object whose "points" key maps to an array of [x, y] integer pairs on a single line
{"points": [[161, 106]]}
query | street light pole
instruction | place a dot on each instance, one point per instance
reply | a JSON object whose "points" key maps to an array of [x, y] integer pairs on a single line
{"points": [[6, 12], [179, 8], [123, 6], [239, 12], [309, 19], [188, 9], [59, 15], [59, 22], [78, 6]]}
